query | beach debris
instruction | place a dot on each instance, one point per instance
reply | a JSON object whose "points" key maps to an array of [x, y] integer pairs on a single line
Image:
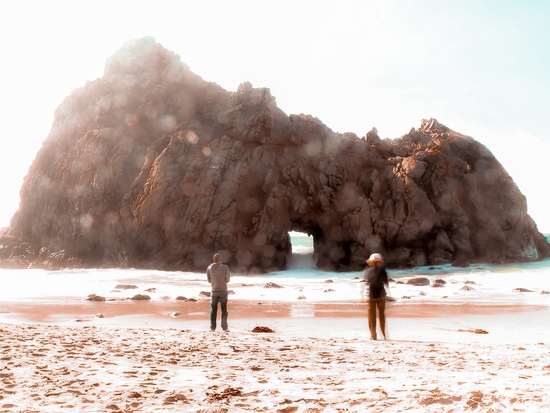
{"points": [[545, 292], [272, 285], [329, 281], [95, 297], [467, 288], [523, 290], [99, 315], [418, 281], [125, 287], [227, 393], [204, 294], [406, 297], [391, 280], [175, 314], [151, 290], [262, 329], [329, 290], [230, 292], [438, 397], [475, 331], [438, 283], [174, 397], [475, 400], [141, 297], [302, 297], [470, 282]]}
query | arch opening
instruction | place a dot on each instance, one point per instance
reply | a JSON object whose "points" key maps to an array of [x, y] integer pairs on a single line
{"points": [[301, 256]]}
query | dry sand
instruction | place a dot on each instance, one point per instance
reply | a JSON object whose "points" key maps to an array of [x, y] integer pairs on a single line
{"points": [[57, 357]]}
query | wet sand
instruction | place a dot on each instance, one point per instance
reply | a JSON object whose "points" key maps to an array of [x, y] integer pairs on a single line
{"points": [[57, 355]]}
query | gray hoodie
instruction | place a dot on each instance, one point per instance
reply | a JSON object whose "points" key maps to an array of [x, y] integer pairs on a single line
{"points": [[218, 275]]}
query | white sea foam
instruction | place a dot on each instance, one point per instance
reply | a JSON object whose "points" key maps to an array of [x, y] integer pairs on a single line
{"points": [[493, 283]]}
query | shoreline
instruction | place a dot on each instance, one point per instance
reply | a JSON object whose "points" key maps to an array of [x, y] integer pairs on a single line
{"points": [[40, 310], [419, 320]]}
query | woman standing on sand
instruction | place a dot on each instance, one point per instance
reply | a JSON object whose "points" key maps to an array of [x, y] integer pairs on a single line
{"points": [[377, 279]]}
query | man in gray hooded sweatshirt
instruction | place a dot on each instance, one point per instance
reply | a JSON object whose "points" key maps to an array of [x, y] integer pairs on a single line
{"points": [[218, 275]]}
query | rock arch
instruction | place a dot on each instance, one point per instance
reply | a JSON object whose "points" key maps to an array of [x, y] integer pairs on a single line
{"points": [[152, 167]]}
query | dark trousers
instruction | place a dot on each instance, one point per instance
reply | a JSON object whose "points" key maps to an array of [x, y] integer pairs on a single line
{"points": [[215, 298], [380, 304]]}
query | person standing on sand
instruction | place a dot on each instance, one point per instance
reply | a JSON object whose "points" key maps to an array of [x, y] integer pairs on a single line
{"points": [[376, 278], [218, 275]]}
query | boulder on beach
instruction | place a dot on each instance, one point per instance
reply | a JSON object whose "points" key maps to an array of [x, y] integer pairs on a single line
{"points": [[95, 297], [438, 283], [141, 297], [418, 281], [150, 166]]}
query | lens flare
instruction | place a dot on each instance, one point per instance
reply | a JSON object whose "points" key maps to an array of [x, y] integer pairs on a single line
{"points": [[191, 137]]}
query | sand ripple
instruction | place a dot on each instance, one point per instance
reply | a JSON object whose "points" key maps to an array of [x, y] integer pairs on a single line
{"points": [[47, 368]]}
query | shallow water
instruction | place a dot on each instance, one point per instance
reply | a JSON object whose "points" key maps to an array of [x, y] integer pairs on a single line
{"points": [[487, 283]]}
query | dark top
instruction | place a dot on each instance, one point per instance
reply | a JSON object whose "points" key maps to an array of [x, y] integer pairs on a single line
{"points": [[376, 278]]}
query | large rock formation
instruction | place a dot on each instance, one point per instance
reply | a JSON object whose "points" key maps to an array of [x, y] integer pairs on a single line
{"points": [[150, 166]]}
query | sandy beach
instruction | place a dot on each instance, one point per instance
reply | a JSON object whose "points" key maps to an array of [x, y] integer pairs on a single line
{"points": [[143, 357]]}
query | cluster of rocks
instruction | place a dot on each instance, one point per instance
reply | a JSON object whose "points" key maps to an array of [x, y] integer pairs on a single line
{"points": [[150, 166]]}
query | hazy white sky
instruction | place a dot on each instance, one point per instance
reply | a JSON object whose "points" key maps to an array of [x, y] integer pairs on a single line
{"points": [[480, 67]]}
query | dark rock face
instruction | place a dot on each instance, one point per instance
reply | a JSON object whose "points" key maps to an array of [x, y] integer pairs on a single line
{"points": [[152, 167]]}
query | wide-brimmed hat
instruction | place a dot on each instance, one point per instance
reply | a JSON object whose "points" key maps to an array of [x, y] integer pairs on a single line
{"points": [[375, 257]]}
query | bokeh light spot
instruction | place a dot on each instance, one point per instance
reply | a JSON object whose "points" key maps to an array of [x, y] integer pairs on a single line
{"points": [[191, 137]]}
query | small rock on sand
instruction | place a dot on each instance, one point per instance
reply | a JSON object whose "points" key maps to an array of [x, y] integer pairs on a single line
{"points": [[523, 290], [125, 287], [95, 297], [262, 329], [141, 297]]}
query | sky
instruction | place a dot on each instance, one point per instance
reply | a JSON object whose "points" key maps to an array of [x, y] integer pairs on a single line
{"points": [[480, 67]]}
